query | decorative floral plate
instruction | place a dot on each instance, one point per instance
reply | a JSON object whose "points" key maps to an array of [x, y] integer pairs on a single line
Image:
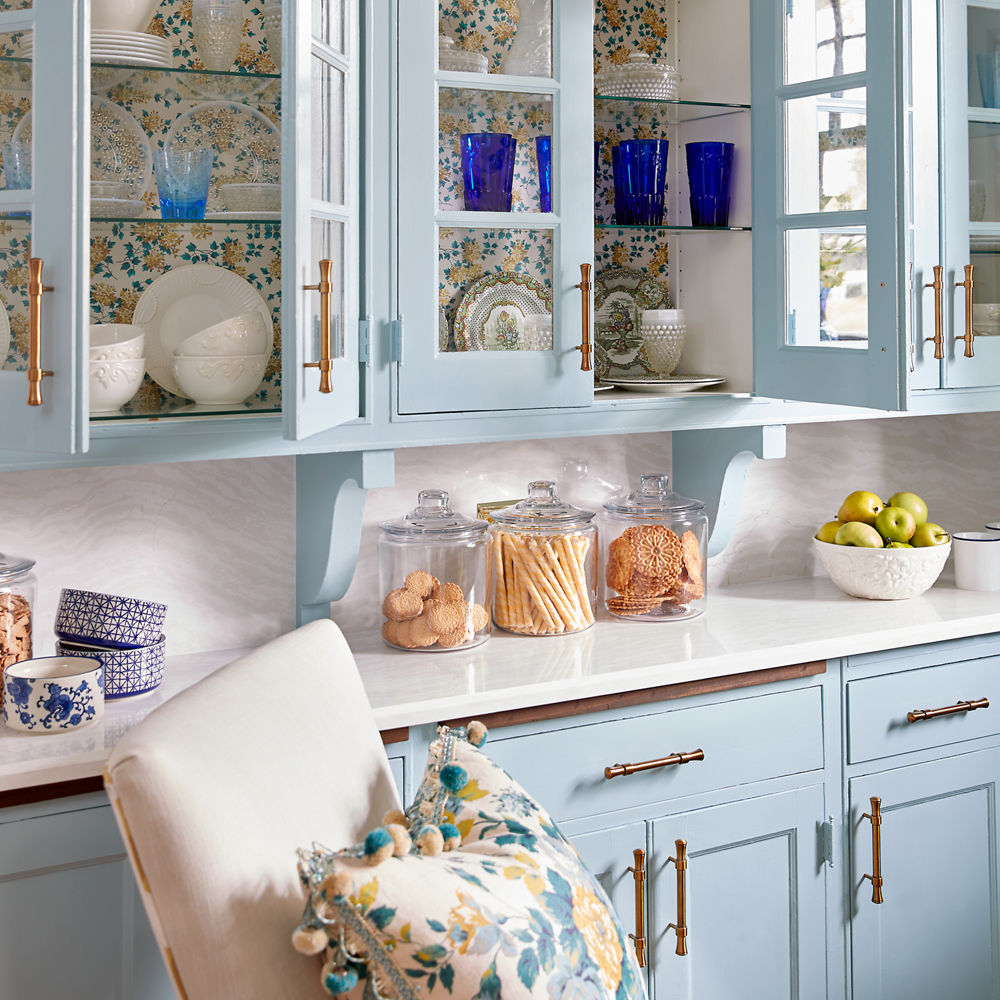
{"points": [[119, 149], [491, 316], [620, 296], [663, 384], [247, 144]]}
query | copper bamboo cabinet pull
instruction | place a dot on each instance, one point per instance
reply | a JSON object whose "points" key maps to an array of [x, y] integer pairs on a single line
{"points": [[35, 371], [325, 289], [681, 926], [969, 334], [922, 714], [876, 876], [616, 770], [938, 285], [584, 348], [638, 871]]}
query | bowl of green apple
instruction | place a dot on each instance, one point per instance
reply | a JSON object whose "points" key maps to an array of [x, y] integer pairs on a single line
{"points": [[882, 551]]}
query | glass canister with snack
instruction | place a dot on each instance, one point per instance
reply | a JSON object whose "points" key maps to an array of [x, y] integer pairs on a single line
{"points": [[17, 601], [432, 574], [654, 553], [544, 562]]}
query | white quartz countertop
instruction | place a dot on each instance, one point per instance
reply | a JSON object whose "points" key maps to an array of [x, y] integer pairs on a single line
{"points": [[745, 628]]}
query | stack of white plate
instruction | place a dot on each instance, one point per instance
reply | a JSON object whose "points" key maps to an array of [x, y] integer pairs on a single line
{"points": [[132, 48]]}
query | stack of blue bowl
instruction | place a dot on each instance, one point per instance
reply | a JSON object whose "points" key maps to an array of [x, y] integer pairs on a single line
{"points": [[124, 633]]}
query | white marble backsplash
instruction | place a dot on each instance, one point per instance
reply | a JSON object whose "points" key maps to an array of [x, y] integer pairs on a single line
{"points": [[215, 541]]}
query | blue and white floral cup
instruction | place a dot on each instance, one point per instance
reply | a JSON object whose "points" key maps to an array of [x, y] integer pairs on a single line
{"points": [[53, 694]]}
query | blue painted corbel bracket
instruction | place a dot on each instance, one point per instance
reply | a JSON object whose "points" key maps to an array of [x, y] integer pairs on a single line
{"points": [[330, 491], [712, 465]]}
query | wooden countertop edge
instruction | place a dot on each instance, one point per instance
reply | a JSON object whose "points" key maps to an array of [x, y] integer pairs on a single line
{"points": [[626, 699]]}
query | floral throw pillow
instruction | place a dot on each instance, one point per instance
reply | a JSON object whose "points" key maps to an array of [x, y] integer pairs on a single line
{"points": [[473, 894]]}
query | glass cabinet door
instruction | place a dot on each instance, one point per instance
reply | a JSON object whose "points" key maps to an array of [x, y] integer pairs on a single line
{"points": [[495, 164], [971, 201], [42, 239], [827, 261]]}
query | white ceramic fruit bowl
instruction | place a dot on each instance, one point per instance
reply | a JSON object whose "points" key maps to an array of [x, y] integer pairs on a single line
{"points": [[882, 574]]}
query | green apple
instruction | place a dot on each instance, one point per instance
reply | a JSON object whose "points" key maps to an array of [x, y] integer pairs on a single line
{"points": [[860, 506], [912, 503], [929, 533], [899, 545], [829, 530], [895, 524], [860, 534]]}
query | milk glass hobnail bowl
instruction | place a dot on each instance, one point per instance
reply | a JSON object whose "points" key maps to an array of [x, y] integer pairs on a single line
{"points": [[639, 77], [432, 578], [663, 332]]}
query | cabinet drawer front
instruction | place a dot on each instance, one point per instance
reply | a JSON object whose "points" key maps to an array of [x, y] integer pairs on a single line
{"points": [[744, 740], [877, 707]]}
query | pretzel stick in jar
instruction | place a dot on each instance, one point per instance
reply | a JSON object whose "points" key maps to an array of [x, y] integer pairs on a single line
{"points": [[563, 575], [556, 602], [575, 549], [501, 608]]}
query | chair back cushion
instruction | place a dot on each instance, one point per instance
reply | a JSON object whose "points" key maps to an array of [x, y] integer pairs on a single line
{"points": [[216, 789]]}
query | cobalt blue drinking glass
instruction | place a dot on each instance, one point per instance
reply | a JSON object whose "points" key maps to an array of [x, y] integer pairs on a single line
{"points": [[643, 170], [487, 170], [597, 157], [621, 204], [709, 166], [543, 153], [182, 177]]}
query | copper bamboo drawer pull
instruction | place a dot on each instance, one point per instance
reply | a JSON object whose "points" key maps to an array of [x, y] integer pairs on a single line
{"points": [[638, 871], [969, 334], [648, 765], [938, 285], [325, 289], [876, 876], [584, 348], [681, 926], [35, 371], [920, 714]]}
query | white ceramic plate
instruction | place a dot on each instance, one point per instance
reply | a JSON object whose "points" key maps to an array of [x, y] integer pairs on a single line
{"points": [[602, 386], [237, 216], [247, 144], [119, 149], [4, 332], [663, 384], [188, 299], [491, 316]]}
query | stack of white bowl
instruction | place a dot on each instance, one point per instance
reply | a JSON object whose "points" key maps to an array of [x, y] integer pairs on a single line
{"points": [[117, 365], [224, 364]]}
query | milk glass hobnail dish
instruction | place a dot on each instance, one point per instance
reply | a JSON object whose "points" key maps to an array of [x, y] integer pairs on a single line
{"points": [[654, 553], [640, 78], [544, 560], [432, 578], [17, 602], [456, 60], [662, 332], [217, 26]]}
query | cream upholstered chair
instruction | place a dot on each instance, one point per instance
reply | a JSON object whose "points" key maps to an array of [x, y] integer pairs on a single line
{"points": [[216, 789]]}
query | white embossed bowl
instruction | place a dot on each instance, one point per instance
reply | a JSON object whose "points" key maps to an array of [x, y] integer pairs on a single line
{"points": [[113, 383], [882, 574], [122, 15], [238, 336], [116, 341], [220, 381]]}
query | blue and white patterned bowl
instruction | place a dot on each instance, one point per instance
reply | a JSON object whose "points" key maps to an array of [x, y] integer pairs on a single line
{"points": [[126, 671], [107, 620], [53, 694]]}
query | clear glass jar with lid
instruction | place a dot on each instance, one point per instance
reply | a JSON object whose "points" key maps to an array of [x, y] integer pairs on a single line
{"points": [[544, 559], [17, 602], [432, 577], [654, 553]]}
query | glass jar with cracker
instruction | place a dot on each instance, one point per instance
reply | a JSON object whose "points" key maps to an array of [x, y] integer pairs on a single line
{"points": [[654, 553], [432, 573], [544, 564], [17, 601]]}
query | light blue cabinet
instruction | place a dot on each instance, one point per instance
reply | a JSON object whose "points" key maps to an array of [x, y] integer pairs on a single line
{"points": [[937, 931], [71, 919], [752, 897]]}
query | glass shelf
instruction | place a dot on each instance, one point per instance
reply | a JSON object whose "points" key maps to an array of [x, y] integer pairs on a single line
{"points": [[124, 82], [179, 408], [674, 111], [608, 226], [186, 222]]}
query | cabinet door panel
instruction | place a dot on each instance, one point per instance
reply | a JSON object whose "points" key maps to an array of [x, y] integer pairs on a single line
{"points": [[49, 227], [937, 932], [755, 901]]}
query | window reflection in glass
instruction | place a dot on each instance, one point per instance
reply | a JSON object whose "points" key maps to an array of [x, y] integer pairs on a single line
{"points": [[824, 38]]}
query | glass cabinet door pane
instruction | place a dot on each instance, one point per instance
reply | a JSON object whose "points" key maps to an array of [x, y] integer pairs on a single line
{"points": [[827, 282], [495, 151], [328, 22], [327, 132], [495, 289], [826, 140], [983, 26], [510, 38], [984, 158], [824, 38]]}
